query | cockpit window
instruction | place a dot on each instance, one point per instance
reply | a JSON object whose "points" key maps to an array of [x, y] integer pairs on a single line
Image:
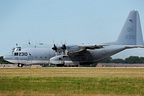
{"points": [[18, 49]]}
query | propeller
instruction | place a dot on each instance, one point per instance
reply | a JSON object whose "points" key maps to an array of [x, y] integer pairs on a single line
{"points": [[60, 49], [54, 48], [63, 47]]}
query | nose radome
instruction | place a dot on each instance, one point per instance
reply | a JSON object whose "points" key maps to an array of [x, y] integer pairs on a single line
{"points": [[4, 57], [7, 57]]}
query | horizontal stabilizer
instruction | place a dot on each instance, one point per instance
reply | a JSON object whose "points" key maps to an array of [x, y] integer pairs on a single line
{"points": [[127, 47]]}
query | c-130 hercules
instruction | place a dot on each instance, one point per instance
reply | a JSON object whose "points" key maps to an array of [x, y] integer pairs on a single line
{"points": [[75, 55], [129, 37]]}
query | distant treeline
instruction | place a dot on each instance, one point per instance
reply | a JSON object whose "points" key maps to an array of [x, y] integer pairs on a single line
{"points": [[129, 60]]}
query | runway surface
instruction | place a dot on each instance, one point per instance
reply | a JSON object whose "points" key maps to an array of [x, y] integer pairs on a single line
{"points": [[111, 65]]}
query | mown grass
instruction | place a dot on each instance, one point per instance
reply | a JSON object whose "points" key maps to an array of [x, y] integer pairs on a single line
{"points": [[72, 81]]}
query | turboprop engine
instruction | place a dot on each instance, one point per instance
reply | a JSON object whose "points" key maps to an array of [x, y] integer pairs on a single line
{"points": [[63, 60]]}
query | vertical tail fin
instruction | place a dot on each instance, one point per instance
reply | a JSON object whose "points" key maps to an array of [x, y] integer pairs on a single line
{"points": [[131, 33]]}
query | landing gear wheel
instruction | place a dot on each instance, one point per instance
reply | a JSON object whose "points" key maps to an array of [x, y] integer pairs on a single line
{"points": [[20, 65]]}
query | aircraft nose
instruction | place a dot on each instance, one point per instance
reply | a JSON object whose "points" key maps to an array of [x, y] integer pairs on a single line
{"points": [[7, 58], [4, 57]]}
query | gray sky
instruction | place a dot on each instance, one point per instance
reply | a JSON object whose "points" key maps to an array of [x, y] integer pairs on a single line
{"points": [[70, 21]]}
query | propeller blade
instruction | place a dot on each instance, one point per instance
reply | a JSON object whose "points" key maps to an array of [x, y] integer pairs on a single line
{"points": [[63, 47], [54, 48]]}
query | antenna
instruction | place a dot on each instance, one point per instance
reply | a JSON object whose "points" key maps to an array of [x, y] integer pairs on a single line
{"points": [[29, 42], [16, 44]]}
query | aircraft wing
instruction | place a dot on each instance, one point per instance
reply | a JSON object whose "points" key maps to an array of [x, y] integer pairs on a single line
{"points": [[83, 49]]}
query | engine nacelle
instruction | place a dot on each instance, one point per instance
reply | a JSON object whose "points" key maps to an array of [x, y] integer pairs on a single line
{"points": [[62, 60]]}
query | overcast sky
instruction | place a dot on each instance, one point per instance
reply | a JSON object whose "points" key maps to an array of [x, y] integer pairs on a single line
{"points": [[58, 21]]}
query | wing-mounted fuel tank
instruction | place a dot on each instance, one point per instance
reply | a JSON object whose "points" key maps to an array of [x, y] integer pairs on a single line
{"points": [[62, 60]]}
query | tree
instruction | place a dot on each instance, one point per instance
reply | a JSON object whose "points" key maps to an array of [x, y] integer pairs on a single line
{"points": [[132, 60], [129, 60], [118, 60], [107, 60], [141, 59]]}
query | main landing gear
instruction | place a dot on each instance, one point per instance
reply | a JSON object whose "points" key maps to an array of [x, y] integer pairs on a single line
{"points": [[20, 65]]}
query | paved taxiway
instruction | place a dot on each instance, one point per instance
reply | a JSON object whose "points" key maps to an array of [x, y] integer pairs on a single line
{"points": [[99, 65]]}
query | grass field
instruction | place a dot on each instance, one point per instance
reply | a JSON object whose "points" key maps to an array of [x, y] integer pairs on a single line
{"points": [[72, 82]]}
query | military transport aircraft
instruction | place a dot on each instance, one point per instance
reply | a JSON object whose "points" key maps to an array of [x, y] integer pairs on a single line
{"points": [[74, 55], [130, 37]]}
